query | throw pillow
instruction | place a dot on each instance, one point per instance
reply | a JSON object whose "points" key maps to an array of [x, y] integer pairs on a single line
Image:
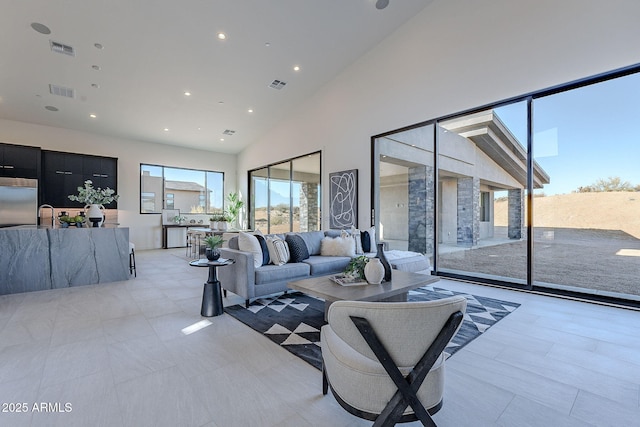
{"points": [[266, 259], [372, 239], [249, 243], [338, 246], [278, 250], [297, 248], [366, 241]]}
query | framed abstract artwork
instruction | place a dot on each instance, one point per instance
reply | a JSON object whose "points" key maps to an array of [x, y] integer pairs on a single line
{"points": [[343, 199]]}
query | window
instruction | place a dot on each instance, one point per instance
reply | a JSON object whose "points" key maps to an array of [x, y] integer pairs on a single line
{"points": [[286, 196], [148, 201], [485, 206], [189, 190]]}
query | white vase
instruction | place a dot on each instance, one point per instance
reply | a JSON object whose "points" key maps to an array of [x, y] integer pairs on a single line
{"points": [[94, 213], [222, 225], [213, 225], [374, 271]]}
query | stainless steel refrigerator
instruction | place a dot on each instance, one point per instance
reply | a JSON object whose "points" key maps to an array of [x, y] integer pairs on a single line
{"points": [[18, 201]]}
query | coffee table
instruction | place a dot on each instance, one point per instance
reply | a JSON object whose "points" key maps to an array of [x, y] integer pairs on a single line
{"points": [[395, 290]]}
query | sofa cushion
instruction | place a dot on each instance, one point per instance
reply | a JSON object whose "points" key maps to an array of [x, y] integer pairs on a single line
{"points": [[338, 246], [297, 248], [313, 240], [278, 250], [249, 243], [278, 273], [322, 265]]}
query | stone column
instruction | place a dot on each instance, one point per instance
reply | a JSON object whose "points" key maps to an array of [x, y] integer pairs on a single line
{"points": [[308, 206], [516, 214], [468, 211], [421, 209]]}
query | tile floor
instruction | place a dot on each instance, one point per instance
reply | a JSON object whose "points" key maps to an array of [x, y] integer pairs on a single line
{"points": [[116, 355]]}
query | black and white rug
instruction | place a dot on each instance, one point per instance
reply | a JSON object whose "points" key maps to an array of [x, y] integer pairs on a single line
{"points": [[294, 320]]}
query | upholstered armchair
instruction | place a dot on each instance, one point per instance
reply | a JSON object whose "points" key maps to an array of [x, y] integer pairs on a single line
{"points": [[384, 361]]}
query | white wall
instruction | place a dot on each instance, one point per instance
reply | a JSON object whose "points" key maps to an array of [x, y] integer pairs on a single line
{"points": [[454, 55], [144, 230]]}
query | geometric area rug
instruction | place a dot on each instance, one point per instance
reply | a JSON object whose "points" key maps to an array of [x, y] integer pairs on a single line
{"points": [[293, 321]]}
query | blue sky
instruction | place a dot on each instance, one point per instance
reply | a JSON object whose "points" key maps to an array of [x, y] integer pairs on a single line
{"points": [[585, 134]]}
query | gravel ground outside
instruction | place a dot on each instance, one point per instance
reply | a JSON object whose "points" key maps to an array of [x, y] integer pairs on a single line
{"points": [[598, 260]]}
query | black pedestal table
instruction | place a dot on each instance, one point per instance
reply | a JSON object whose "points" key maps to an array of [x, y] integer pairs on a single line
{"points": [[212, 294]]}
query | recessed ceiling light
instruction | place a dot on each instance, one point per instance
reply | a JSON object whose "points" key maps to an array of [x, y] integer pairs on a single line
{"points": [[41, 28], [222, 36], [267, 44], [95, 85], [98, 46], [166, 129], [93, 116], [96, 67], [51, 108], [199, 128], [221, 139], [220, 102], [250, 110], [187, 93], [296, 68]]}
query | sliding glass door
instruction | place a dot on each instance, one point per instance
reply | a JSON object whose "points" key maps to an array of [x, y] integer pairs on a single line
{"points": [[587, 219], [482, 185], [540, 192], [286, 196]]}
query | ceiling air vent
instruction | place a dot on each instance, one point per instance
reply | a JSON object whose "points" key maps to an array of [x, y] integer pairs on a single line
{"points": [[62, 91], [62, 48], [228, 132], [277, 84]]}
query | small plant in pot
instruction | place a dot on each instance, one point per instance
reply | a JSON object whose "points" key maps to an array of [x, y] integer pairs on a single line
{"points": [[213, 244]]}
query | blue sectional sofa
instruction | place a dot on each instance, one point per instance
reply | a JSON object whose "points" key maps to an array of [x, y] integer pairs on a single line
{"points": [[245, 279]]}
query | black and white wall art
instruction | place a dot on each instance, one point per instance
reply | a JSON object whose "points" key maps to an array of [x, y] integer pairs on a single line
{"points": [[343, 199]]}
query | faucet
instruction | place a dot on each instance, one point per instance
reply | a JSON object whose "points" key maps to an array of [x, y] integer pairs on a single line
{"points": [[52, 214]]}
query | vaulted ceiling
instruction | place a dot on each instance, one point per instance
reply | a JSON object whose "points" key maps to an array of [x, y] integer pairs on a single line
{"points": [[127, 65]]}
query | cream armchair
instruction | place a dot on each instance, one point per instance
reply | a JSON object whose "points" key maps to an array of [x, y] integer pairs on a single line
{"points": [[384, 361]]}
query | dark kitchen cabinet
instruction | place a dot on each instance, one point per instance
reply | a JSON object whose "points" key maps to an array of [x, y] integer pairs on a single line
{"points": [[19, 161], [63, 173]]}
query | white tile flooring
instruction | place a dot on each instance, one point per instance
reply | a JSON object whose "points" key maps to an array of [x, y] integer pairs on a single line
{"points": [[117, 354]]}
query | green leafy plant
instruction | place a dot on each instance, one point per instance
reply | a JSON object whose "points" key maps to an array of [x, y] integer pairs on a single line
{"points": [[179, 218], [213, 242], [355, 268], [94, 196], [234, 207], [217, 217]]}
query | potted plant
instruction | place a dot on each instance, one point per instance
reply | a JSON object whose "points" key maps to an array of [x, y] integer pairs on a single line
{"points": [[179, 219], [222, 222], [213, 244], [355, 269], [234, 207], [94, 199], [214, 221]]}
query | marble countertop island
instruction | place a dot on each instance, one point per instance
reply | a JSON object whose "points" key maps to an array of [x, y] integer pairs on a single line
{"points": [[36, 258]]}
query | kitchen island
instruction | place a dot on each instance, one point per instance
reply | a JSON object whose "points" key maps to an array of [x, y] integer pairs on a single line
{"points": [[35, 258]]}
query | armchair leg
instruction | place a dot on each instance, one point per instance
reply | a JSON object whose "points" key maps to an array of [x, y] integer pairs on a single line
{"points": [[246, 303], [325, 381]]}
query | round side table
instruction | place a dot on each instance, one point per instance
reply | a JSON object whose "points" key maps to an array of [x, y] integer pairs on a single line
{"points": [[211, 294]]}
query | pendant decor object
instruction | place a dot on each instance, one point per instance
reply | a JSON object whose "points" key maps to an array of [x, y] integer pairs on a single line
{"points": [[374, 271], [95, 214], [212, 254], [385, 262]]}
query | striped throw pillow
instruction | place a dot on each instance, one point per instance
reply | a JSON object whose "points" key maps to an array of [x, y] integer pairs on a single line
{"points": [[278, 250]]}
